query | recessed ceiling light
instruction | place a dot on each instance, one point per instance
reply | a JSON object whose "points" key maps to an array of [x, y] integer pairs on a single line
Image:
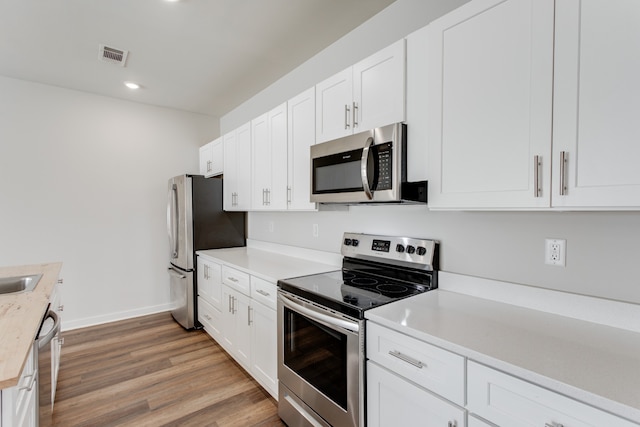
{"points": [[132, 85]]}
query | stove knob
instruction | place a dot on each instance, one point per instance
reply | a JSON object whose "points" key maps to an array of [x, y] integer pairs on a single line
{"points": [[355, 242], [347, 242], [399, 248], [421, 251], [410, 249]]}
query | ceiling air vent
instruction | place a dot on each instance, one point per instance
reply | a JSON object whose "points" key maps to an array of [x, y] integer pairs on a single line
{"points": [[113, 55]]}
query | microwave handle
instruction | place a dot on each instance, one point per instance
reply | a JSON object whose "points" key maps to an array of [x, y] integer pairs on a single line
{"points": [[363, 168]]}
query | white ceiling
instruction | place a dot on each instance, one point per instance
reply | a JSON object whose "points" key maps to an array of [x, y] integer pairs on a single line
{"points": [[203, 56]]}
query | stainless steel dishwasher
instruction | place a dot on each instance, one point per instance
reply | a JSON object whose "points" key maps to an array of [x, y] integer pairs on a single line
{"points": [[49, 330]]}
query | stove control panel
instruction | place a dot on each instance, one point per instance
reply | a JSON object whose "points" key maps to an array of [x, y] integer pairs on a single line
{"points": [[404, 251]]}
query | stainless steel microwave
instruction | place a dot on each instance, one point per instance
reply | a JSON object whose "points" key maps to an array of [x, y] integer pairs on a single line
{"points": [[366, 167]]}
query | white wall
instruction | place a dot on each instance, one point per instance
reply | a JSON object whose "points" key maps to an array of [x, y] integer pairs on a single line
{"points": [[83, 181], [602, 247]]}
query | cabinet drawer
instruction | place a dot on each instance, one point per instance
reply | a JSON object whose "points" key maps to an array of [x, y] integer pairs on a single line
{"points": [[430, 367], [236, 279], [393, 401], [509, 401], [263, 291], [211, 319]]}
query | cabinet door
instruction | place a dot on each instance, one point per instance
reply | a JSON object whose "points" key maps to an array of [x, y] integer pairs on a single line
{"points": [[241, 308], [489, 83], [243, 198], [597, 103], [334, 104], [210, 282], [230, 182], [217, 157], [264, 349], [509, 401], [393, 401], [260, 155], [206, 164], [302, 135], [416, 100], [379, 88], [277, 194]]}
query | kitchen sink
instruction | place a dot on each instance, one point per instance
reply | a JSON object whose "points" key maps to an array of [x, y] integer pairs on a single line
{"points": [[9, 285]]}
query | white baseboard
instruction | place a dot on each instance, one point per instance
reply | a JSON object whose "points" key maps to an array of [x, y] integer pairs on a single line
{"points": [[113, 317]]}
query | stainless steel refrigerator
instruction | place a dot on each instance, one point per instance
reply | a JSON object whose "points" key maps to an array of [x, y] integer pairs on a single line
{"points": [[196, 221]]}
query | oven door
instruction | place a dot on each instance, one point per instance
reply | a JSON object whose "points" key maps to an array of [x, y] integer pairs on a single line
{"points": [[320, 365]]}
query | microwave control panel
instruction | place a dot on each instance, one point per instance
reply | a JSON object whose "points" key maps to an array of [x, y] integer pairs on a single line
{"points": [[385, 168]]}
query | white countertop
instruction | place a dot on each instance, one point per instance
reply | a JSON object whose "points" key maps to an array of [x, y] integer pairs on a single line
{"points": [[596, 364], [267, 265]]}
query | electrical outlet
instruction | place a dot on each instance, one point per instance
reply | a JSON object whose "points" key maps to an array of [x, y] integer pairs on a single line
{"points": [[555, 252], [315, 230]]}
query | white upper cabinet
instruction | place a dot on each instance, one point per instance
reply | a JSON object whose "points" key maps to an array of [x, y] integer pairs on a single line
{"points": [[301, 136], [237, 167], [525, 114], [489, 88], [212, 158], [367, 95], [597, 103], [269, 159]]}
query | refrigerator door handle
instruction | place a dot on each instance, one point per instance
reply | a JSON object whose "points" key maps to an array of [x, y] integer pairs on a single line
{"points": [[172, 220]]}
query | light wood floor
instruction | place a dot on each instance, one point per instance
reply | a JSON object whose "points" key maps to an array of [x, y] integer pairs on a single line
{"points": [[149, 371]]}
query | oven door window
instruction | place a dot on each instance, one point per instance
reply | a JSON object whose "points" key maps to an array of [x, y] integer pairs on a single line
{"points": [[318, 354]]}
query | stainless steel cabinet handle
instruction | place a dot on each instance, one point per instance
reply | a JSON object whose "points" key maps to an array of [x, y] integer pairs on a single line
{"points": [[61, 307], [233, 305], [289, 195], [261, 292], [553, 424], [355, 115], [536, 176], [208, 165], [61, 281], [232, 279], [563, 178], [249, 321], [206, 316], [452, 424], [230, 304], [408, 359], [263, 197], [346, 116]]}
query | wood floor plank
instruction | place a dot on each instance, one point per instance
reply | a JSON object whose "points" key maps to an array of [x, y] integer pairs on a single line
{"points": [[149, 371]]}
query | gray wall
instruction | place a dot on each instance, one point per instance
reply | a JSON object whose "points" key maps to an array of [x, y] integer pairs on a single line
{"points": [[601, 246], [83, 180]]}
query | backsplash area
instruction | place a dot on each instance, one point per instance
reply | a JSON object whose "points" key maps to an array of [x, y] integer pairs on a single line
{"points": [[509, 246]]}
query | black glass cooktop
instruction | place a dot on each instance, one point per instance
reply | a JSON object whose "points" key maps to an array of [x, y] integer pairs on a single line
{"points": [[353, 290]]}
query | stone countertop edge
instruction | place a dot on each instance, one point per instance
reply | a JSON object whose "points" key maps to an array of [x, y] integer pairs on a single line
{"points": [[549, 350], [267, 265], [20, 318]]}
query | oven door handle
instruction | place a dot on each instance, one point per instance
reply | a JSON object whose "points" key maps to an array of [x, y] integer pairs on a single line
{"points": [[364, 160], [320, 317]]}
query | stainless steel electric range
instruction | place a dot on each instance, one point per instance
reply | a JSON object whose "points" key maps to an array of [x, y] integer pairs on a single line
{"points": [[321, 358]]}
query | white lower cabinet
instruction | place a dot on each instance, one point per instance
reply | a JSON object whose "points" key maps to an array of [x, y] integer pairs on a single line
{"points": [[264, 365], [411, 382], [18, 404], [238, 310], [509, 401], [237, 326], [394, 401]]}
